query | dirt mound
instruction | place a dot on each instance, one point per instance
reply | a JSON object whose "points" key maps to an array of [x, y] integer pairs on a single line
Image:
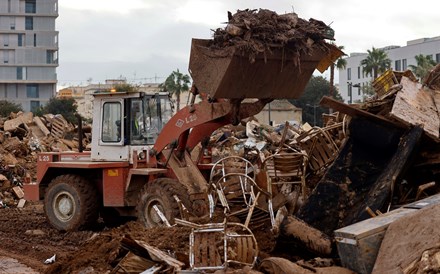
{"points": [[103, 251]]}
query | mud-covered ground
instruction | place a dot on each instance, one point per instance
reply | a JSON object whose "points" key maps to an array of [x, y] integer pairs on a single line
{"points": [[26, 237]]}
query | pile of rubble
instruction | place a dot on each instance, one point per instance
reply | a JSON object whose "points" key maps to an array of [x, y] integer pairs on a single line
{"points": [[348, 191], [369, 182], [22, 136], [262, 31]]}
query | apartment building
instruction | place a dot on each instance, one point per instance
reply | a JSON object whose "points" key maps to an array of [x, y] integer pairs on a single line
{"points": [[28, 51], [352, 79]]}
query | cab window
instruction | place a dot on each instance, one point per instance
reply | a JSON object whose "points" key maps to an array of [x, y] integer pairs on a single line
{"points": [[111, 122]]}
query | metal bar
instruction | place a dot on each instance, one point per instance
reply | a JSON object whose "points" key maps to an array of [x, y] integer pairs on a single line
{"points": [[161, 216]]}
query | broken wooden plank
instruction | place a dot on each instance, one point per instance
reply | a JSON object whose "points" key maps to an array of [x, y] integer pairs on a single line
{"points": [[12, 124], [41, 126], [132, 263], [21, 203], [27, 117], [415, 106], [149, 252], [18, 192], [356, 112], [71, 144]]}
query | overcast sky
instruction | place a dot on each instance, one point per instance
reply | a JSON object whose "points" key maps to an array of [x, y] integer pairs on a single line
{"points": [[145, 40]]}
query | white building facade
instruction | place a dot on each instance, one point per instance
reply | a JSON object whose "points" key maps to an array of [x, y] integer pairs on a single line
{"points": [[352, 79], [28, 51]]}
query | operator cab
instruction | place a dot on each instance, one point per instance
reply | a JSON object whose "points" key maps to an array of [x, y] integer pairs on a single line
{"points": [[148, 115], [123, 122]]}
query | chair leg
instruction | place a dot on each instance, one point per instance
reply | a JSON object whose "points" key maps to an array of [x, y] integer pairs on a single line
{"points": [[251, 211]]}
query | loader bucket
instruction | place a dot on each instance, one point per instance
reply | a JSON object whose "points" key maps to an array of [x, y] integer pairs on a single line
{"points": [[227, 73]]}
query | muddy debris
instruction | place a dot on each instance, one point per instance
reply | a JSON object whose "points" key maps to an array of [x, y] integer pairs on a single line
{"points": [[261, 31], [370, 170], [22, 136]]}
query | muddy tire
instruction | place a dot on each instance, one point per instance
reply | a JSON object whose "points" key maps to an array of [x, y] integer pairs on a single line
{"points": [[161, 193], [71, 203]]}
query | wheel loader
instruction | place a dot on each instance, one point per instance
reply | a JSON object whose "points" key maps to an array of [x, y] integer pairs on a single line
{"points": [[140, 159]]}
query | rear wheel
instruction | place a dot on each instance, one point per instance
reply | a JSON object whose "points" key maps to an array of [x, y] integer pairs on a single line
{"points": [[71, 203], [160, 193]]}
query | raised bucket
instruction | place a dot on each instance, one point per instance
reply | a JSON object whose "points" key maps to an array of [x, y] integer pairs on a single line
{"points": [[227, 73]]}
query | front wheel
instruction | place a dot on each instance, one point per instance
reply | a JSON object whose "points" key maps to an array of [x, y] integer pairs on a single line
{"points": [[160, 194], [71, 203]]}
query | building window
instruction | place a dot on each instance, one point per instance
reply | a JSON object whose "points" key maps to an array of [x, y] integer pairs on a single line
{"points": [[5, 56], [32, 91], [49, 56], [404, 64], [398, 65], [20, 41], [9, 6], [29, 23], [21, 73], [35, 39], [30, 6], [35, 105], [437, 58], [349, 74], [6, 40], [359, 72], [12, 23]]}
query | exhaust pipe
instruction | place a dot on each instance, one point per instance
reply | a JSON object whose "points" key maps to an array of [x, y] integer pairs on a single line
{"points": [[80, 133]]}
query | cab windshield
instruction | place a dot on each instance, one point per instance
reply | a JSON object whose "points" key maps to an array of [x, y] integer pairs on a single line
{"points": [[148, 115]]}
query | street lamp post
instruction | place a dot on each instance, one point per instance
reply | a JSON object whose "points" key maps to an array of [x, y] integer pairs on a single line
{"points": [[314, 112], [350, 90]]}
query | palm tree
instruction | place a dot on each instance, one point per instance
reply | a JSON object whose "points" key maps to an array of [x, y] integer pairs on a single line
{"points": [[424, 65], [175, 84], [341, 63], [376, 62]]}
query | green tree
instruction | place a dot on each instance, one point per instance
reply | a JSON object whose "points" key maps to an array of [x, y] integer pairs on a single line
{"points": [[424, 65], [175, 84], [341, 63], [367, 91], [376, 62], [7, 107], [64, 106], [316, 88], [125, 88]]}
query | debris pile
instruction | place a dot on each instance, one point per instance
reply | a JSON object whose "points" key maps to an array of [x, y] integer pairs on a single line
{"points": [[262, 31], [22, 136], [345, 191]]}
